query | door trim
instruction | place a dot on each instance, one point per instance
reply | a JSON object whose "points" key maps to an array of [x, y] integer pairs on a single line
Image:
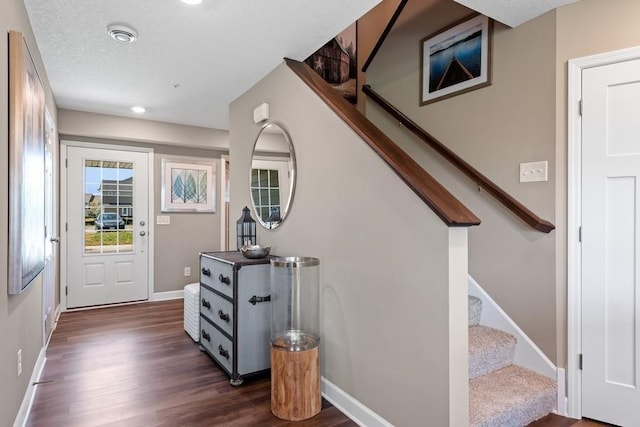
{"points": [[224, 230], [50, 274], [64, 144], [574, 213]]}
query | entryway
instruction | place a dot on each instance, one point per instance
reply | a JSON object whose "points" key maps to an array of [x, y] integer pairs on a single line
{"points": [[106, 194], [604, 238]]}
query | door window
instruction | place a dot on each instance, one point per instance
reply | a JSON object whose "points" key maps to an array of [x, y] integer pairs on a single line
{"points": [[108, 207]]}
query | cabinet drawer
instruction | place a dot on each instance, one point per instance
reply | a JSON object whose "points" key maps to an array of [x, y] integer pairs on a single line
{"points": [[220, 348], [217, 309], [217, 275]]}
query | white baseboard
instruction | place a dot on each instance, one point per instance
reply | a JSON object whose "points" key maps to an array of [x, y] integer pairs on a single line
{"points": [[58, 311], [27, 401], [165, 296], [352, 408], [562, 399], [527, 354]]}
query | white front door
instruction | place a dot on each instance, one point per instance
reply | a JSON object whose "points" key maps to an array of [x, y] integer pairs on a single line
{"points": [[108, 226], [611, 243]]}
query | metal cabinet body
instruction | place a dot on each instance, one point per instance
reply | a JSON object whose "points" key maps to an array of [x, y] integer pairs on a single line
{"points": [[235, 312]]}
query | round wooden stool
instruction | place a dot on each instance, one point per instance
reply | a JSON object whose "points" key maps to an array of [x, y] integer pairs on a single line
{"points": [[295, 383]]}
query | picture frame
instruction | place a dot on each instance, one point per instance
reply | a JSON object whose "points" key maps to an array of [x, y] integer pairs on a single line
{"points": [[456, 60], [26, 255], [188, 186], [337, 62]]}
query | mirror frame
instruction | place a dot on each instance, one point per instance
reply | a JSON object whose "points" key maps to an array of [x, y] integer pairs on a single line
{"points": [[292, 179]]}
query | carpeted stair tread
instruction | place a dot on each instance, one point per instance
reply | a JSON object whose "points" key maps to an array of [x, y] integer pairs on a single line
{"points": [[510, 397], [489, 350], [475, 310]]}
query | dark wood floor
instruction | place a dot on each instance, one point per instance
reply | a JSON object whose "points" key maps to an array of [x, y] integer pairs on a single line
{"points": [[557, 421], [135, 366]]}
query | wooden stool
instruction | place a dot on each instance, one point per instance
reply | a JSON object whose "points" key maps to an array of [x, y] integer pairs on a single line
{"points": [[295, 383]]}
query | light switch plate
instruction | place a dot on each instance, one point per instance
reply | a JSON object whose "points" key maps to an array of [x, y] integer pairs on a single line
{"points": [[533, 172], [163, 220]]}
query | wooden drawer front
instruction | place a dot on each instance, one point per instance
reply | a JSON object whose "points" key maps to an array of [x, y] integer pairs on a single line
{"points": [[217, 344], [217, 309], [217, 275]]}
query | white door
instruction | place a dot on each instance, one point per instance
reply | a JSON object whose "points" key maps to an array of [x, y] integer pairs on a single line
{"points": [[611, 243], [51, 239], [108, 231]]}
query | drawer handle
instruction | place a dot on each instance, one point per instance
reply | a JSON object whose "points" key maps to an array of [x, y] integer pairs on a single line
{"points": [[224, 279], [206, 303], [224, 316], [254, 299], [224, 353], [206, 271], [205, 335]]}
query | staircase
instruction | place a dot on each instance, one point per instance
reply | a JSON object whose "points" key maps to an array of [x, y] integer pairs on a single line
{"points": [[501, 393]]}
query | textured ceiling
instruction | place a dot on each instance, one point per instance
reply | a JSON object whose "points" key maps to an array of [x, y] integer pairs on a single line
{"points": [[513, 12], [189, 62]]}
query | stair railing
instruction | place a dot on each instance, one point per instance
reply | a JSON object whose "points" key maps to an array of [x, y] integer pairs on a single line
{"points": [[450, 210], [384, 34], [485, 183]]}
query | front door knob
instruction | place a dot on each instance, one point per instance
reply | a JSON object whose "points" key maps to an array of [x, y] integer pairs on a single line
{"points": [[143, 233]]}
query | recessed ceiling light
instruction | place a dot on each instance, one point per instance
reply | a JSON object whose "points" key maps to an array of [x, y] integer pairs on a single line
{"points": [[138, 109], [191, 1], [122, 33]]}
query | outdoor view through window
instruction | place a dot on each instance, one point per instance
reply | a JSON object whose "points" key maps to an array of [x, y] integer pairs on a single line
{"points": [[108, 207]]}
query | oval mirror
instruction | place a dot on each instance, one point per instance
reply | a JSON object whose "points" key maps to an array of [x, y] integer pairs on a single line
{"points": [[273, 175]]}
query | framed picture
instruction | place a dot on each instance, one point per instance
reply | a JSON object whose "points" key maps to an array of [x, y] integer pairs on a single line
{"points": [[456, 60], [26, 167], [336, 63], [188, 186]]}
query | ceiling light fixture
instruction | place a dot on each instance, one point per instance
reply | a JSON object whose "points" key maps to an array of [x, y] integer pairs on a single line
{"points": [[122, 33], [191, 2], [138, 109]]}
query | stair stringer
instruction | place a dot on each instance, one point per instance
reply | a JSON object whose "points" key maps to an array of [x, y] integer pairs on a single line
{"points": [[528, 354]]}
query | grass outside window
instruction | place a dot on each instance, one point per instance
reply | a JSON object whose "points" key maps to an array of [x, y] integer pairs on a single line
{"points": [[108, 238]]}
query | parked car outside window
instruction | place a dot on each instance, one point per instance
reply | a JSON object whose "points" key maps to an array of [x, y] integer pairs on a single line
{"points": [[106, 221]]}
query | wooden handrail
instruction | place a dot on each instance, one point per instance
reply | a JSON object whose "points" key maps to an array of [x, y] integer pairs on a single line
{"points": [[384, 35], [443, 203], [489, 186]]}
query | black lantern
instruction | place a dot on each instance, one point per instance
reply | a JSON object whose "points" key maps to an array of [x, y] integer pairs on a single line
{"points": [[246, 229]]}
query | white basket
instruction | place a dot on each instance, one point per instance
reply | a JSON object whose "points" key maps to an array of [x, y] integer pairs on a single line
{"points": [[192, 310]]}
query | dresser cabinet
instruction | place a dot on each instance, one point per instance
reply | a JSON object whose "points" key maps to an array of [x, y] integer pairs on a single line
{"points": [[235, 312]]}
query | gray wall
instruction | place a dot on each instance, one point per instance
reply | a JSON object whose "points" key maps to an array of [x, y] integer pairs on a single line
{"points": [[20, 315], [494, 128], [392, 312], [176, 245], [520, 118], [92, 125]]}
